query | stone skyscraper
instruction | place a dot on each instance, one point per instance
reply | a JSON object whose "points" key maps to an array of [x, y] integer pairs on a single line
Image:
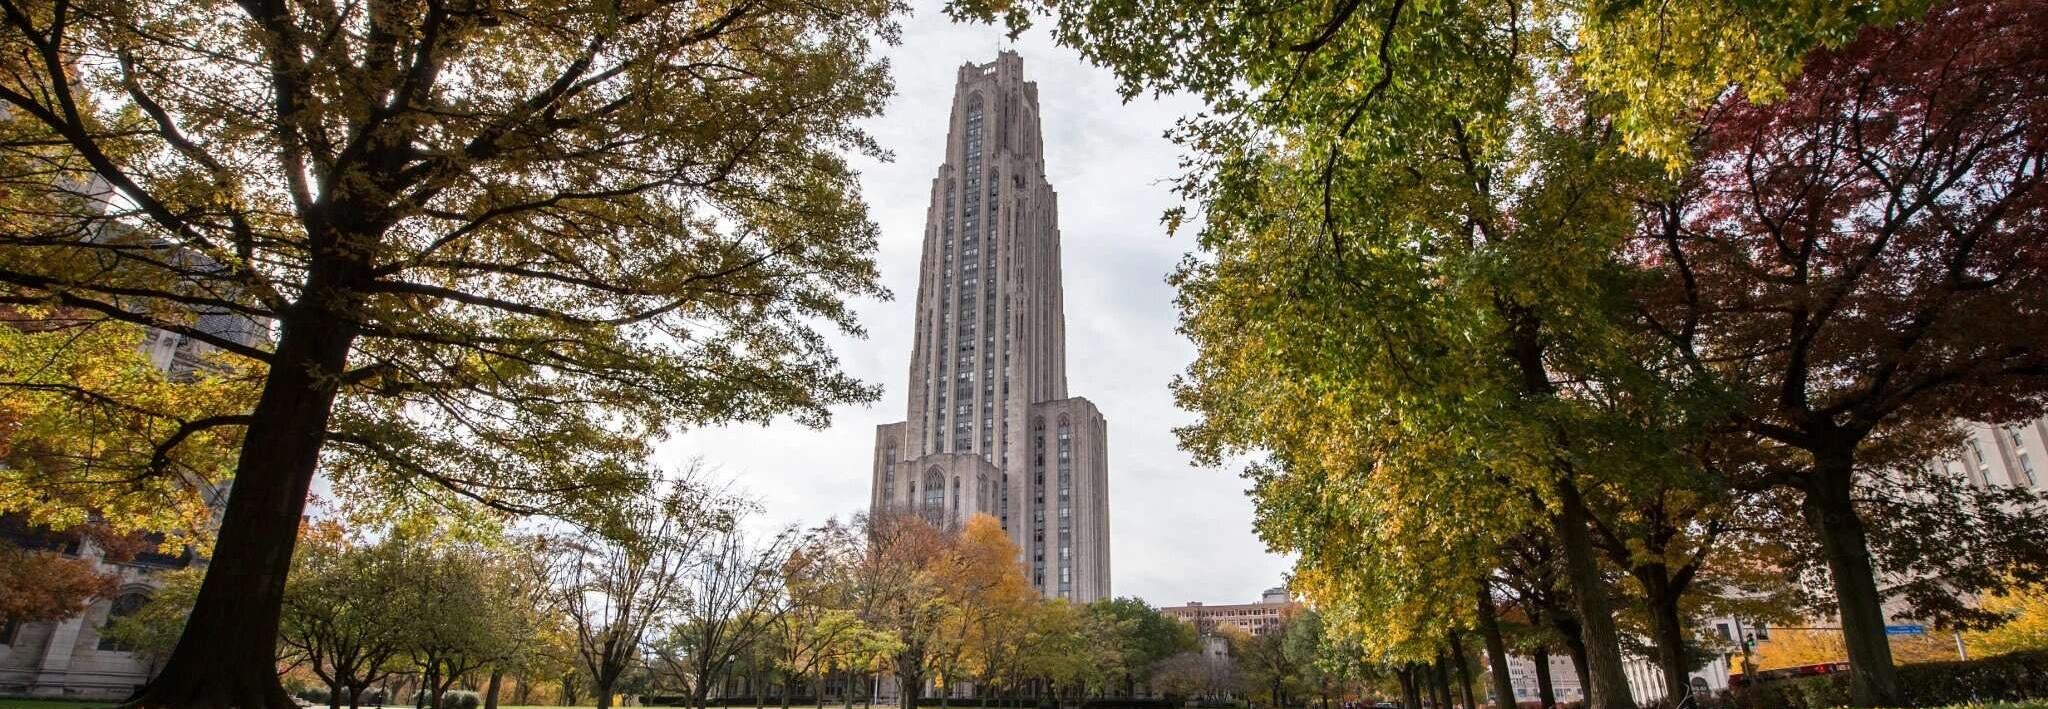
{"points": [[991, 428]]}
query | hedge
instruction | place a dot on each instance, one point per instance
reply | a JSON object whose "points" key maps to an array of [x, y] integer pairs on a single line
{"points": [[669, 700], [372, 696], [2015, 676]]}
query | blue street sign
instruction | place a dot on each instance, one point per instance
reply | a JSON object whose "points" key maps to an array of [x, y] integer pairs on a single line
{"points": [[1905, 630]]}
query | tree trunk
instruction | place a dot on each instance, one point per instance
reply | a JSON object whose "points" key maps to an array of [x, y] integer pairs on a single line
{"points": [[521, 689], [227, 655], [1411, 696], [1442, 682], [1831, 511], [1574, 645], [1464, 671], [355, 695], [1546, 693], [910, 687], [1607, 687], [439, 685], [1667, 629], [1496, 650], [334, 694], [602, 695], [846, 694], [491, 688], [788, 688]]}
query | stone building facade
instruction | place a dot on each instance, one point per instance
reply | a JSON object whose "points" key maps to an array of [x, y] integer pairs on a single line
{"points": [[69, 658], [2004, 456], [991, 428], [1268, 615]]}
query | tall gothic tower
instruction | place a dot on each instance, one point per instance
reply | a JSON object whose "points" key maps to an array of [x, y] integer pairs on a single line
{"points": [[991, 428]]}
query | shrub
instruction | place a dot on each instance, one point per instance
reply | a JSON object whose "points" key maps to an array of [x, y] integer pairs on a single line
{"points": [[459, 699], [2014, 676], [316, 695]]}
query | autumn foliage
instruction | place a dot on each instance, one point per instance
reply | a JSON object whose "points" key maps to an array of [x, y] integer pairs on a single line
{"points": [[39, 585]]}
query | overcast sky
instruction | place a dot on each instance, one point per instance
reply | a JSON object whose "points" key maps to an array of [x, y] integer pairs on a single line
{"points": [[1177, 532]]}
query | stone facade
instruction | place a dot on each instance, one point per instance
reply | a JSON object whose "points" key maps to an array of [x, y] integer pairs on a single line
{"points": [[1268, 615], [2004, 456], [68, 658], [990, 427]]}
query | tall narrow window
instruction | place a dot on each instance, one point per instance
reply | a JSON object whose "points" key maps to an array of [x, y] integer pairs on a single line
{"points": [[934, 496], [124, 605]]}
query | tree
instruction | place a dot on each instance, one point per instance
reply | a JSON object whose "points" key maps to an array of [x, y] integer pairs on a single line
{"points": [[1144, 636], [2026, 625], [1071, 649], [615, 590], [1266, 662], [1381, 325], [983, 587], [348, 610], [518, 242], [39, 584], [533, 616], [152, 631], [1858, 264], [821, 630], [730, 600], [463, 617], [1465, 172], [1196, 674], [1304, 641], [86, 409], [899, 593]]}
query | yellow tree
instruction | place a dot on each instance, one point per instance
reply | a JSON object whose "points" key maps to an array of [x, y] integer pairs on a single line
{"points": [[987, 592], [898, 592], [91, 429], [2025, 629], [496, 247]]}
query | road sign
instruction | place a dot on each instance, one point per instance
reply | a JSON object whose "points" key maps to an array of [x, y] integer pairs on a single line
{"points": [[1905, 630]]}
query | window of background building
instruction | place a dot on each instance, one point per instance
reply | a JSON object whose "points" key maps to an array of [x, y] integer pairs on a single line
{"points": [[125, 605], [934, 495]]}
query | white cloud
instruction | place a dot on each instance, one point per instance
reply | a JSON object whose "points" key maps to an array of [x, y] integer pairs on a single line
{"points": [[1178, 532]]}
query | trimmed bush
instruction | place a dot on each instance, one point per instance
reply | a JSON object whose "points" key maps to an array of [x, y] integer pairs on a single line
{"points": [[2010, 677], [459, 699]]}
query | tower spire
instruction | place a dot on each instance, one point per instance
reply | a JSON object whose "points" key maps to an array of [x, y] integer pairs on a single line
{"points": [[990, 427]]}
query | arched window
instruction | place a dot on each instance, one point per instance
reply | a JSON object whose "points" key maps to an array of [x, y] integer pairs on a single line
{"points": [[125, 605], [934, 494]]}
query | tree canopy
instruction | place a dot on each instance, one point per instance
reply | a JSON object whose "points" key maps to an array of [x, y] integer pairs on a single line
{"points": [[517, 239]]}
